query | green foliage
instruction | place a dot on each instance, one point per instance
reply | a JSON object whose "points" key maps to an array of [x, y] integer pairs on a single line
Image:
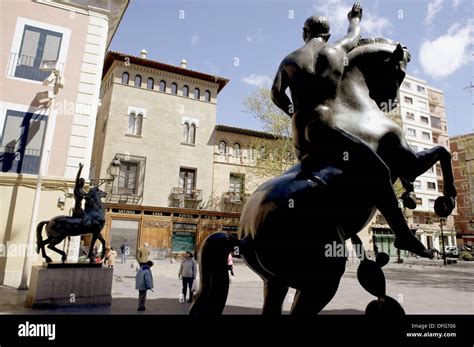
{"points": [[272, 156]]}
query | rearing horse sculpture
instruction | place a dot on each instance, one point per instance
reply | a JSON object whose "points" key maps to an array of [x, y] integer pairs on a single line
{"points": [[288, 222], [60, 227]]}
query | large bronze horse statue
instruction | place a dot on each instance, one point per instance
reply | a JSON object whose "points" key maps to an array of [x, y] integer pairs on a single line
{"points": [[60, 227], [288, 222]]}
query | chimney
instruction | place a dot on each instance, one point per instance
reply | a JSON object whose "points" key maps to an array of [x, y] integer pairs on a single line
{"points": [[143, 53], [184, 63]]}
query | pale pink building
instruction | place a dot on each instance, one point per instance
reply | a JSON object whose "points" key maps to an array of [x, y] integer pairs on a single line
{"points": [[75, 34]]}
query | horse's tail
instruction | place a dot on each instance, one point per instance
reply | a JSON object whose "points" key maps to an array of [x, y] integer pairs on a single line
{"points": [[214, 284], [39, 239]]}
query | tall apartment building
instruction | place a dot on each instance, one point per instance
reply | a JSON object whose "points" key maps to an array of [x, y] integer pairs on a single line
{"points": [[73, 35], [462, 149], [422, 112]]}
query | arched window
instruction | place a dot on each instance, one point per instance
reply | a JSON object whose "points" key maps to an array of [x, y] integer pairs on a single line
{"points": [[135, 123], [197, 93], [222, 147], [174, 88], [207, 96], [125, 77], [162, 86], [185, 91], [138, 81], [150, 83], [186, 132], [192, 133], [189, 132], [237, 150], [250, 152]]}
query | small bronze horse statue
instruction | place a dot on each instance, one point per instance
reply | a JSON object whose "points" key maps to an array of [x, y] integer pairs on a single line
{"points": [[60, 227]]}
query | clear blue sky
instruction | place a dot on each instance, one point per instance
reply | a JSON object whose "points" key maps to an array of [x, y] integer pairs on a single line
{"points": [[439, 34]]}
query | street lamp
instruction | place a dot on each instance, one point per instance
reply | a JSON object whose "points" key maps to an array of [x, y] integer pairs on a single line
{"points": [[113, 172], [54, 77]]}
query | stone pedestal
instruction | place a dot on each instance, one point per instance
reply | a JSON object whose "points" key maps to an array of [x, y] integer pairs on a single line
{"points": [[83, 286]]}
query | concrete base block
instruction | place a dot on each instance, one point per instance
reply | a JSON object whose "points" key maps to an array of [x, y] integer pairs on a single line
{"points": [[53, 287]]}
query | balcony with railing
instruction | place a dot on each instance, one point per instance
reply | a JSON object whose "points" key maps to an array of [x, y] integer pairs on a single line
{"points": [[236, 198], [187, 194], [17, 160], [27, 67]]}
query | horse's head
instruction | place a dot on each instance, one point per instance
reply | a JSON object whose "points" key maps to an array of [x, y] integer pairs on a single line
{"points": [[383, 63], [93, 199]]}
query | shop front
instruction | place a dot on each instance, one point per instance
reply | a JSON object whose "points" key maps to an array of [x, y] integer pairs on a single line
{"points": [[169, 232]]}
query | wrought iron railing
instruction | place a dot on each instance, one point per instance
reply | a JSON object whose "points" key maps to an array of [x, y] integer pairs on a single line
{"points": [[28, 67], [187, 194], [17, 160]]}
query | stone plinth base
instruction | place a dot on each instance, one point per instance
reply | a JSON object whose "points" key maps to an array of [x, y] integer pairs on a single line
{"points": [[53, 287]]}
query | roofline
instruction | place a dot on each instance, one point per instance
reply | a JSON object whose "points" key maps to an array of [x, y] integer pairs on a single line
{"points": [[112, 56], [118, 23], [458, 137], [248, 132]]}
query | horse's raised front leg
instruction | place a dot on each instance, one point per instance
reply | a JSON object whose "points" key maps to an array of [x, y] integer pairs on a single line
{"points": [[404, 162], [52, 247], [274, 295]]}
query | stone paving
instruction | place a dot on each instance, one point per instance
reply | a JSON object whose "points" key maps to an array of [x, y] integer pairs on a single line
{"points": [[423, 287]]}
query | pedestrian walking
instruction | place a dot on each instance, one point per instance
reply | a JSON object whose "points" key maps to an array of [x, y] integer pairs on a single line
{"points": [[143, 254], [125, 251], [187, 273], [111, 258], [143, 283]]}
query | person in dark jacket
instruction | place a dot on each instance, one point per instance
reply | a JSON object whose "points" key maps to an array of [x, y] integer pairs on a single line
{"points": [[143, 282], [187, 273]]}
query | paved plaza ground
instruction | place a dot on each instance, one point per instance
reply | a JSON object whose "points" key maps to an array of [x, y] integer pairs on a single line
{"points": [[422, 286]]}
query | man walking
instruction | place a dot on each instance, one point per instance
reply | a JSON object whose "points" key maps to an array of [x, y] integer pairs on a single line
{"points": [[125, 249], [143, 282], [187, 273], [143, 254]]}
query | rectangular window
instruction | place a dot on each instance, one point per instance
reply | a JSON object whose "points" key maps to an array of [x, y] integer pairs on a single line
{"points": [[37, 44], [424, 120], [187, 181], [127, 178], [426, 136], [236, 187], [407, 85], [21, 141], [422, 105], [431, 185], [419, 201], [410, 116], [411, 132], [436, 122], [128, 185], [420, 89], [408, 100], [431, 202], [417, 184]]}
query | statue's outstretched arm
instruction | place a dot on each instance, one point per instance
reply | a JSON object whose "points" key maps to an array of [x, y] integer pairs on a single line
{"points": [[349, 41], [279, 96], [78, 176]]}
